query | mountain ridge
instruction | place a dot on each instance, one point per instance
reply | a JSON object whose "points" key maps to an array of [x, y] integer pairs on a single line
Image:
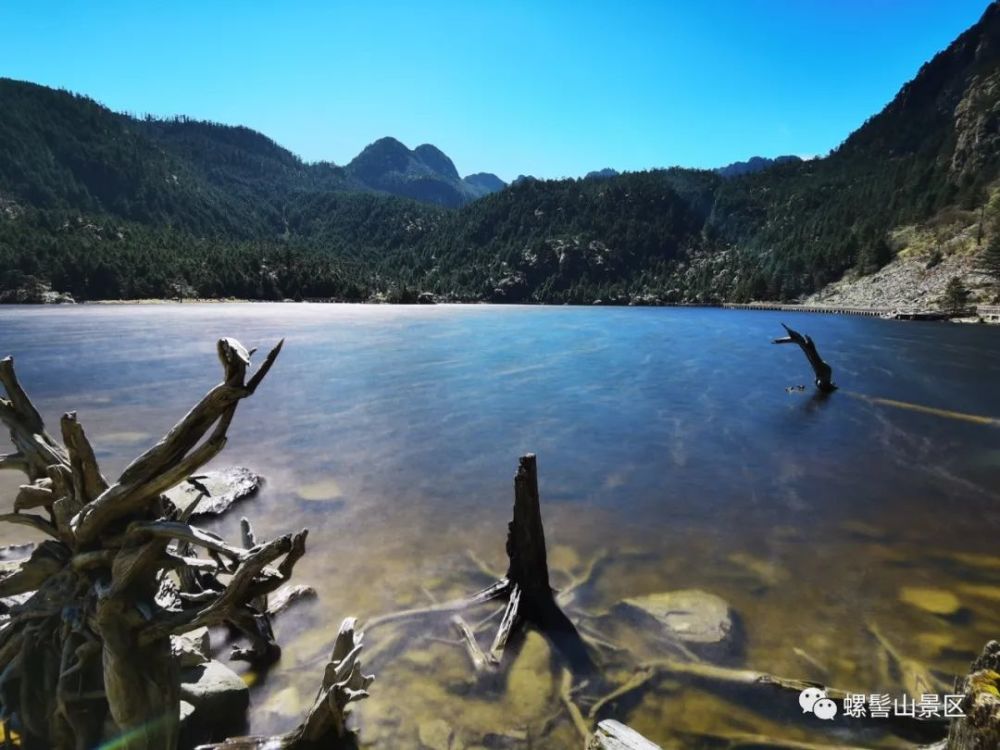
{"points": [[754, 164], [103, 205], [425, 173]]}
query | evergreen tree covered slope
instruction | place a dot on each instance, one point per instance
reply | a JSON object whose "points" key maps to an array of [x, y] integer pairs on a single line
{"points": [[104, 205]]}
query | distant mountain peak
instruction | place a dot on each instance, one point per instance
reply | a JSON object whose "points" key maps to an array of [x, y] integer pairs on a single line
{"points": [[754, 164], [602, 174], [485, 182], [425, 174], [436, 160]]}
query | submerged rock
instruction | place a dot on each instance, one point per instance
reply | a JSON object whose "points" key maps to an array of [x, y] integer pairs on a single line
{"points": [[324, 489], [218, 490], [935, 601], [689, 615]]}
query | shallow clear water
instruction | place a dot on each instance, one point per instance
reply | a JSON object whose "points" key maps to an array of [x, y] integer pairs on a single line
{"points": [[664, 437]]}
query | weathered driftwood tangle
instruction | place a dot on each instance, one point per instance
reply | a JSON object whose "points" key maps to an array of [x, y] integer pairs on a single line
{"points": [[979, 729], [91, 614], [325, 726], [823, 371]]}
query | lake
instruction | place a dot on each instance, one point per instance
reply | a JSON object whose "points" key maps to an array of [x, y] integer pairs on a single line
{"points": [[666, 442]]}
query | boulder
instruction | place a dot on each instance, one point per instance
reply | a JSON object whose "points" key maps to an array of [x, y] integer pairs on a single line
{"points": [[689, 615], [219, 698], [218, 490]]}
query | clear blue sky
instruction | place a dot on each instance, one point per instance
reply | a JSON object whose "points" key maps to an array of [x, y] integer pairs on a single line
{"points": [[545, 88]]}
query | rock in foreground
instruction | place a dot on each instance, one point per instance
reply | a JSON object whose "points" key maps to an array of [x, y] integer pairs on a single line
{"points": [[218, 697], [218, 490]]}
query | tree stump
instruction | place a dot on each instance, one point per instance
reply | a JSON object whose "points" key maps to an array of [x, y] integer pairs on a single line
{"points": [[526, 585]]}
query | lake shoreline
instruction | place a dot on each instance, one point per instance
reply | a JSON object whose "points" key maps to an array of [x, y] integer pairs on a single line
{"points": [[986, 314]]}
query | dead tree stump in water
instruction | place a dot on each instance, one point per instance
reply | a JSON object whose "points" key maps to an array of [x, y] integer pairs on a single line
{"points": [[525, 586], [529, 593], [823, 371], [979, 728]]}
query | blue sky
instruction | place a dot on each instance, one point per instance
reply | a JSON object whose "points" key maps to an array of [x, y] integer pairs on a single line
{"points": [[545, 88]]}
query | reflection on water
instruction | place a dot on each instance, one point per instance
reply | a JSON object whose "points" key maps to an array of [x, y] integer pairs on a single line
{"points": [[665, 438]]}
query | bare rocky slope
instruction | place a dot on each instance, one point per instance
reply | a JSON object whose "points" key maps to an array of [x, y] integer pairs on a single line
{"points": [[926, 257]]}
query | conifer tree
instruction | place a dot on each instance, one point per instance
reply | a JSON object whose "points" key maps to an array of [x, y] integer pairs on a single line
{"points": [[989, 259], [955, 298]]}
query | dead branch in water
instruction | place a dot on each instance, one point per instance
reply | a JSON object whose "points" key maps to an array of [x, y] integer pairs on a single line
{"points": [[823, 371]]}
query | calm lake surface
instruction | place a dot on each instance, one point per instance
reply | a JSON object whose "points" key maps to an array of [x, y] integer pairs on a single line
{"points": [[665, 439]]}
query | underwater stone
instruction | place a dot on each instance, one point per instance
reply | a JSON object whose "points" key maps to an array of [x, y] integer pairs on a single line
{"points": [[689, 615], [935, 601]]}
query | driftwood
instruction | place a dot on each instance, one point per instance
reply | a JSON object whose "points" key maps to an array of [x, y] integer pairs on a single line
{"points": [[823, 371], [123, 573], [979, 728], [325, 726], [613, 735]]}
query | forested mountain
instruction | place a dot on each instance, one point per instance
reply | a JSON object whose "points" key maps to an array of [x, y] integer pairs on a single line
{"points": [[104, 205]]}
